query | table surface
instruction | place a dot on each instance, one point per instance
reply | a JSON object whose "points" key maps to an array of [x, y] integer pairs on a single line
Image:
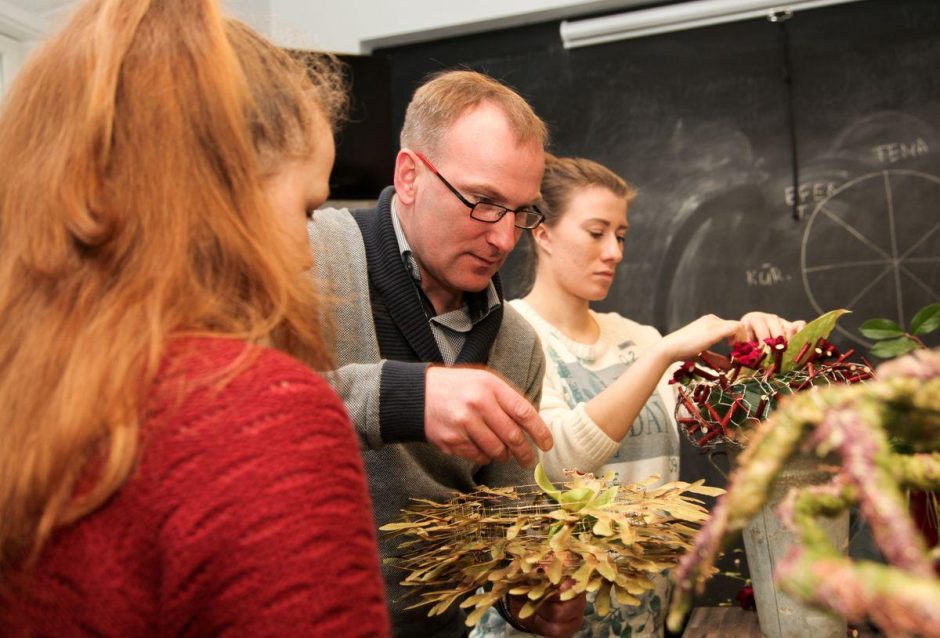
{"points": [[722, 622], [732, 622]]}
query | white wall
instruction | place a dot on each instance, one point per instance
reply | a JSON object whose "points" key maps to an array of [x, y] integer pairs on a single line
{"points": [[19, 29], [11, 58], [257, 13], [358, 26]]}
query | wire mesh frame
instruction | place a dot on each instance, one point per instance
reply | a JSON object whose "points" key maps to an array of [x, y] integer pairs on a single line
{"points": [[713, 414]]}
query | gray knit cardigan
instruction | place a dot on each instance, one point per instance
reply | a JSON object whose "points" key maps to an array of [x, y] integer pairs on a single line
{"points": [[399, 464]]}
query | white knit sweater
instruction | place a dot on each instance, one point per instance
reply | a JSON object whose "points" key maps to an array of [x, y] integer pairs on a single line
{"points": [[575, 373]]}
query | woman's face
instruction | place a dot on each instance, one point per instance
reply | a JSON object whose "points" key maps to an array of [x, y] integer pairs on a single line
{"points": [[582, 249], [300, 187]]}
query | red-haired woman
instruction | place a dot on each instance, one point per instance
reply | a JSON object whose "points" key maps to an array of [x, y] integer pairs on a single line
{"points": [[166, 468]]}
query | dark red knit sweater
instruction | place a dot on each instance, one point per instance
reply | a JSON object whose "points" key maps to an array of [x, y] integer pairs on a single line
{"points": [[247, 515]]}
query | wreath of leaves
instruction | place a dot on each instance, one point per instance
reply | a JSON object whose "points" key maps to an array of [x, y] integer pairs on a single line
{"points": [[528, 540]]}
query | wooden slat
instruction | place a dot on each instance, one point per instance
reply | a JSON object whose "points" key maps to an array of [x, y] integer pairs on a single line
{"points": [[722, 622], [734, 622]]}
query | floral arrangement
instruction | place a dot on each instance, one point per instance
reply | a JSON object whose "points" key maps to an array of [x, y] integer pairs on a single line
{"points": [[722, 399], [526, 541], [860, 430]]}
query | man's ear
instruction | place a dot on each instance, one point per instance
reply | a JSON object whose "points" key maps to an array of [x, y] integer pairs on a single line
{"points": [[406, 174], [541, 235]]}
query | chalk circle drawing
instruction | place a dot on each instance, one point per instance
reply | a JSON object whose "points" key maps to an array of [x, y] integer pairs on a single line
{"points": [[873, 246]]}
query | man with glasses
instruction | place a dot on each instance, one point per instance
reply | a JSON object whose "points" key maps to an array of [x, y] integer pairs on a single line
{"points": [[439, 375]]}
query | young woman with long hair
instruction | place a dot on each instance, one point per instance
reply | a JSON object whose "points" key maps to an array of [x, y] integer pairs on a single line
{"points": [[165, 467], [605, 396]]}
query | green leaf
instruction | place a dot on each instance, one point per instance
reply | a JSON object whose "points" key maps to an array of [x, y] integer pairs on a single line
{"points": [[893, 347], [818, 328], [546, 483], [926, 320], [881, 329], [575, 499], [605, 498]]}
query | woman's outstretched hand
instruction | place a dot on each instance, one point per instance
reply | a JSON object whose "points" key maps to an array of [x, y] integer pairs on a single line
{"points": [[689, 340], [757, 326], [701, 334]]}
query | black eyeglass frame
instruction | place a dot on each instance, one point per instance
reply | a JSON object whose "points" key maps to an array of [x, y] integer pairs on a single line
{"points": [[473, 206]]}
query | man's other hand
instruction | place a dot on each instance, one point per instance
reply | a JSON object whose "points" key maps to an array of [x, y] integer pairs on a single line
{"points": [[473, 414], [555, 618]]}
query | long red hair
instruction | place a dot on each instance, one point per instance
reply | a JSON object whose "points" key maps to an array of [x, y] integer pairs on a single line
{"points": [[134, 151]]}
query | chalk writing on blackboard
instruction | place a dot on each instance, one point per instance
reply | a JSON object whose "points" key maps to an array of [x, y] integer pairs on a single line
{"points": [[874, 244], [808, 194], [898, 151], [766, 275]]}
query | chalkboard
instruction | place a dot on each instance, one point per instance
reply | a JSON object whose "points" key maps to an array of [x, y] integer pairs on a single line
{"points": [[365, 143], [699, 122]]}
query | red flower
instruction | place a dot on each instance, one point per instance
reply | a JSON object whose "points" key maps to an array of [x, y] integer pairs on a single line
{"points": [[747, 353], [686, 371], [745, 598], [778, 346], [826, 350]]}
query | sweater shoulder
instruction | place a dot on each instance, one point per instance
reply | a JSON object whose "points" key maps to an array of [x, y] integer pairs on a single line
{"points": [[516, 325], [337, 246], [615, 324], [210, 384], [231, 362]]}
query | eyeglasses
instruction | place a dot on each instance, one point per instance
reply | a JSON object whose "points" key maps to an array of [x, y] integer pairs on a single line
{"points": [[525, 217]]}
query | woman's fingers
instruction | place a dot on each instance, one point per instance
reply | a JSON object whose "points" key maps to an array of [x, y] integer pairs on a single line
{"points": [[757, 326]]}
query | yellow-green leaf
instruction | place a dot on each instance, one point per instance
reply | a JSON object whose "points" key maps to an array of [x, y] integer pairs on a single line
{"points": [[605, 569], [602, 527], [537, 590], [527, 609], [574, 500], [568, 594], [559, 540], [699, 487], [474, 617], [623, 597], [554, 570], [602, 602], [819, 328], [541, 478], [605, 498], [627, 534]]}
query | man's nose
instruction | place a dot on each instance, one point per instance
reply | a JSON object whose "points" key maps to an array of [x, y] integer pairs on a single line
{"points": [[502, 235]]}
